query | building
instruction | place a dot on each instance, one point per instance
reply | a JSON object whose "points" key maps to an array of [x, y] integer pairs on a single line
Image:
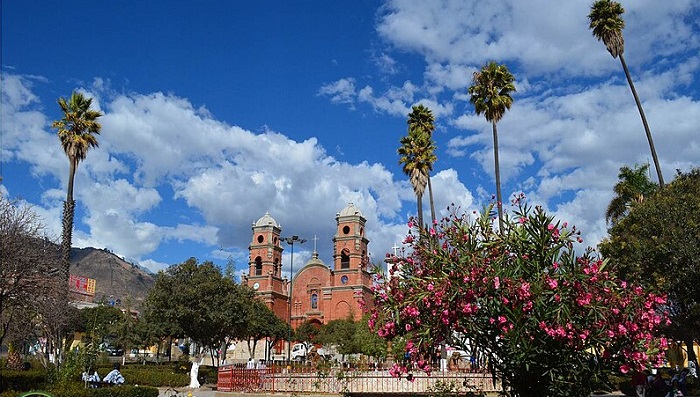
{"points": [[320, 293]]}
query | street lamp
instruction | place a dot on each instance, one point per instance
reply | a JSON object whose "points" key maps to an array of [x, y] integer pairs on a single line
{"points": [[290, 241]]}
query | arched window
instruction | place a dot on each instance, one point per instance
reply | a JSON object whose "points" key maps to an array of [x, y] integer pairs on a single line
{"points": [[345, 259], [258, 266], [276, 267], [314, 301]]}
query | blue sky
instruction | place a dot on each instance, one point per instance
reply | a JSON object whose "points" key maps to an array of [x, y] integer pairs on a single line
{"points": [[218, 111]]}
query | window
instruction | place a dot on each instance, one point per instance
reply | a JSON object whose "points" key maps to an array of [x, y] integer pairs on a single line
{"points": [[261, 238], [346, 229], [258, 266], [345, 259], [276, 267], [314, 301]]}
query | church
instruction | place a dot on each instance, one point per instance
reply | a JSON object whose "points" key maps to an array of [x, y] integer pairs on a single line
{"points": [[319, 293]]}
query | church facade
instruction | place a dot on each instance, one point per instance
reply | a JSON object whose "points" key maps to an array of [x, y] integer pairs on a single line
{"points": [[319, 293]]}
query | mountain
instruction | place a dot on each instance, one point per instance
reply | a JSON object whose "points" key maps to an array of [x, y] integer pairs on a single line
{"points": [[116, 279]]}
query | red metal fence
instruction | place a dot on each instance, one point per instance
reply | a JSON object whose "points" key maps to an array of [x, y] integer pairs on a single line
{"points": [[336, 380]]}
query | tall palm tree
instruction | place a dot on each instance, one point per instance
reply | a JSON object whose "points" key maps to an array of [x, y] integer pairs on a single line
{"points": [[421, 117], [77, 131], [633, 186], [490, 94], [417, 155], [607, 24]]}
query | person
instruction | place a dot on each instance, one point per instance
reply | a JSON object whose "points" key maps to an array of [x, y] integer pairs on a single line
{"points": [[114, 377], [682, 379], [675, 391], [443, 358], [251, 364], [658, 387], [90, 377], [640, 383], [676, 356]]}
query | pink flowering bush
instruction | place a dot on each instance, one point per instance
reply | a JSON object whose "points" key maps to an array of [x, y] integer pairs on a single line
{"points": [[550, 323]]}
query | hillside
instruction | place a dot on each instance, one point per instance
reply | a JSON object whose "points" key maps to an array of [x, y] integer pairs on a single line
{"points": [[115, 278]]}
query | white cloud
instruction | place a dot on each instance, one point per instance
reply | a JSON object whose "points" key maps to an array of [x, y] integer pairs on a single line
{"points": [[340, 91], [458, 32], [156, 156]]}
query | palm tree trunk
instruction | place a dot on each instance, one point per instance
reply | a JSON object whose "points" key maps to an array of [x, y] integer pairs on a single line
{"points": [[67, 236], [419, 199], [497, 170], [68, 216], [432, 203], [644, 121]]}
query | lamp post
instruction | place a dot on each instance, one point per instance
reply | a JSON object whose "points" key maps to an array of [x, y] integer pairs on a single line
{"points": [[290, 241]]}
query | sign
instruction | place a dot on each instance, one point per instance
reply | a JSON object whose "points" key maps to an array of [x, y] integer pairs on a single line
{"points": [[82, 285]]}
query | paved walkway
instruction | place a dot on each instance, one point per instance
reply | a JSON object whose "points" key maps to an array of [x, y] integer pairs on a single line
{"points": [[184, 392], [208, 392]]}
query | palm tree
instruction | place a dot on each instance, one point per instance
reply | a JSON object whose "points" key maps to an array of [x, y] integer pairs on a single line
{"points": [[422, 118], [607, 24], [77, 132], [417, 155], [633, 186], [490, 94]]}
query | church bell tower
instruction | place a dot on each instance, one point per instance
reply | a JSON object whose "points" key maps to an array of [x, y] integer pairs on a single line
{"points": [[265, 265]]}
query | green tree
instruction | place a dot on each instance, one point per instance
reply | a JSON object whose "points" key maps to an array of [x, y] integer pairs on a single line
{"points": [[143, 335], [606, 23], [340, 333], [162, 317], [77, 131], [308, 333], [100, 322], [417, 155], [368, 342], [100, 326], [657, 245], [633, 186], [207, 306], [263, 323], [490, 93], [421, 118]]}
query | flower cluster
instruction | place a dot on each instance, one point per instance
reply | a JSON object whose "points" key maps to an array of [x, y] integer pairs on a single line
{"points": [[523, 296]]}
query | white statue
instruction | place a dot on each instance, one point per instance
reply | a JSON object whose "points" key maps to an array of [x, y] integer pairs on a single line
{"points": [[194, 371]]}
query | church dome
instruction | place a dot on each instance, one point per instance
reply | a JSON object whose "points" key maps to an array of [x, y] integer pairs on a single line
{"points": [[351, 210], [267, 220], [315, 260]]}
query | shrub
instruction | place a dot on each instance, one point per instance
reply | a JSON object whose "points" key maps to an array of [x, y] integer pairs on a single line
{"points": [[23, 380], [77, 390], [550, 322]]}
